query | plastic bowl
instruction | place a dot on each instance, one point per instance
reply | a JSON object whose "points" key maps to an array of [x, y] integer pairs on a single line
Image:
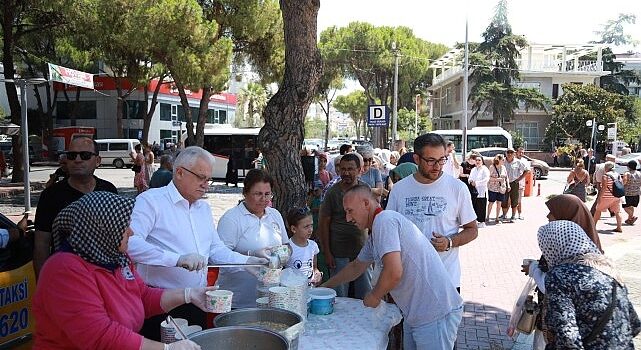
{"points": [[322, 302]]}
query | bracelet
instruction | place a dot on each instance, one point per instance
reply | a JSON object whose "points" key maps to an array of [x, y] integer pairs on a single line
{"points": [[449, 243], [187, 296]]}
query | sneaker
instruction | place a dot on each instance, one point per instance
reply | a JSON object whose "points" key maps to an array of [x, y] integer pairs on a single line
{"points": [[502, 217], [480, 225], [521, 217], [511, 219]]}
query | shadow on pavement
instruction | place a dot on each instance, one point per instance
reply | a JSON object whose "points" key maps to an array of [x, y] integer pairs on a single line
{"points": [[484, 327]]}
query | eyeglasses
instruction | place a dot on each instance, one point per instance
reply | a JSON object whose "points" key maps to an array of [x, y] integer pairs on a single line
{"points": [[201, 178], [84, 155], [431, 161], [267, 195]]}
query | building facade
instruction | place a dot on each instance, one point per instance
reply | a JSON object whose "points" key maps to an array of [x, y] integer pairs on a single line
{"points": [[542, 67], [98, 109]]}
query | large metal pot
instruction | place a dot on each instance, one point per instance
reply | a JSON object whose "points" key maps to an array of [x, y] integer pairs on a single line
{"points": [[242, 317], [233, 338]]}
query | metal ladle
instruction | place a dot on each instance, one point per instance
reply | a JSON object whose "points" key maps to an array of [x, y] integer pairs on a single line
{"points": [[175, 325]]}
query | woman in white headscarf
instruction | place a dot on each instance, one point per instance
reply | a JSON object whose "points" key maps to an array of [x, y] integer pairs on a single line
{"points": [[587, 302]]}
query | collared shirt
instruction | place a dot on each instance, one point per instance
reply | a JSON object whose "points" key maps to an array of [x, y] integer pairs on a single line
{"points": [[165, 227], [242, 231]]}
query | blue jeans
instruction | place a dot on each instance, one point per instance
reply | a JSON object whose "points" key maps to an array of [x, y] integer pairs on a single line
{"points": [[436, 335], [362, 285]]}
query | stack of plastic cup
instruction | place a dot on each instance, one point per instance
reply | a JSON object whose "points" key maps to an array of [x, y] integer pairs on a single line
{"points": [[168, 332], [262, 302], [278, 297], [269, 276]]}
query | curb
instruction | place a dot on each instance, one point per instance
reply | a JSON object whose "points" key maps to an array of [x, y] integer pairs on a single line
{"points": [[18, 191]]}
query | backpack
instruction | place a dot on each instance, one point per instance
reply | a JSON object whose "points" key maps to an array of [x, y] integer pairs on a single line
{"points": [[617, 187]]}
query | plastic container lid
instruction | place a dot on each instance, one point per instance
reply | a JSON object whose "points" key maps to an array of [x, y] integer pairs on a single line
{"points": [[322, 293]]}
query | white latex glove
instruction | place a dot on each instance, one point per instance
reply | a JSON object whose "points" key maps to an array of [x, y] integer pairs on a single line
{"points": [[260, 253], [191, 262], [257, 260], [198, 298], [183, 345]]}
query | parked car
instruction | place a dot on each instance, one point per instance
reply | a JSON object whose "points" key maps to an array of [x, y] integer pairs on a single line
{"points": [[622, 162], [539, 167], [117, 151], [313, 144]]}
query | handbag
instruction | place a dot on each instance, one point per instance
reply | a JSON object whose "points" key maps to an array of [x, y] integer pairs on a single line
{"points": [[525, 311], [136, 168], [569, 188], [503, 185], [618, 190]]}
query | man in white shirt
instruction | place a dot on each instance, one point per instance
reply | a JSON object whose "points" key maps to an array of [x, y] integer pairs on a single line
{"points": [[451, 166], [412, 273], [436, 204], [174, 235]]}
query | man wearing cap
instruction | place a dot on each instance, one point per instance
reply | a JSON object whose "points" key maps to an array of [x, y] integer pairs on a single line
{"points": [[516, 171], [519, 155], [82, 159]]}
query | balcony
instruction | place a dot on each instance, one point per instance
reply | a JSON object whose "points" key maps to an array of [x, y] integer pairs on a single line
{"points": [[557, 66], [448, 73]]}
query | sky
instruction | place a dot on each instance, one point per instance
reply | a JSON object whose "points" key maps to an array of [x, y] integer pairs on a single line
{"points": [[540, 21]]}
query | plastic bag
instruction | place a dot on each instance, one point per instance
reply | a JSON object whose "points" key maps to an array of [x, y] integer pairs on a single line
{"points": [[518, 309]]}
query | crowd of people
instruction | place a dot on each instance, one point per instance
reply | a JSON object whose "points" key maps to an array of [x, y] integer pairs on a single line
{"points": [[378, 224]]}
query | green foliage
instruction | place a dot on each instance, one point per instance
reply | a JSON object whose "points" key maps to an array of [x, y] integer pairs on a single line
{"points": [[314, 128], [613, 31], [495, 69], [355, 104], [251, 103], [629, 129], [517, 139], [580, 103]]}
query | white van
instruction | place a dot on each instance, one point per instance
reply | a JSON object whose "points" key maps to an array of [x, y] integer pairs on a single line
{"points": [[117, 151]]}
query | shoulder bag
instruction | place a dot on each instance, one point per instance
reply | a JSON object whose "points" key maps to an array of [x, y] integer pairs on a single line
{"points": [[617, 187], [503, 187]]}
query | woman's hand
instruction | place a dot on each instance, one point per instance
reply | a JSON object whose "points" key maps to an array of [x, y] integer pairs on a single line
{"points": [[197, 297]]}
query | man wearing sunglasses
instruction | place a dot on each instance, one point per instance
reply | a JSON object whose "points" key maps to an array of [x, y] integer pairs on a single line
{"points": [[82, 159], [436, 203]]}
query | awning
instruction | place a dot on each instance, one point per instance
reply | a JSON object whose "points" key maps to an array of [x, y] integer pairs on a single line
{"points": [[9, 129]]}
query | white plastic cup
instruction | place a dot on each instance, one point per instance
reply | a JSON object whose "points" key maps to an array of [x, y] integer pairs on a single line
{"points": [[168, 332], [262, 302], [269, 276], [219, 301]]}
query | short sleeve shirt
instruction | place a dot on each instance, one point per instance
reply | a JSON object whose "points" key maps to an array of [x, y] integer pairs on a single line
{"points": [[302, 258], [515, 168], [345, 239]]}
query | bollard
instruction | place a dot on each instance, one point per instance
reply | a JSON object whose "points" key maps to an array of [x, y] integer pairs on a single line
{"points": [[538, 192]]}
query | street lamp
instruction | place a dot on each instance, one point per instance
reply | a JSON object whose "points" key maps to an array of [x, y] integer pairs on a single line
{"points": [[395, 106]]}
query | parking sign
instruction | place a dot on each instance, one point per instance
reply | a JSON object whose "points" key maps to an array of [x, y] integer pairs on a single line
{"points": [[377, 115]]}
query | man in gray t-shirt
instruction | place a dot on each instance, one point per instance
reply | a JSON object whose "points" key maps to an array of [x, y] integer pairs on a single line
{"points": [[342, 240], [412, 273]]}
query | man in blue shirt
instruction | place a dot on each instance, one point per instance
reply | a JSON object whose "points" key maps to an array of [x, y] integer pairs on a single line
{"points": [[162, 177]]}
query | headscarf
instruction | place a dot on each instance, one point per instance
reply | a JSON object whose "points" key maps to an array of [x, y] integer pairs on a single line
{"points": [[570, 207], [404, 170], [92, 227], [564, 242]]}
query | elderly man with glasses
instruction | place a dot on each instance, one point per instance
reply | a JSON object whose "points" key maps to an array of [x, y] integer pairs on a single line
{"points": [[82, 159], [175, 237], [437, 204]]}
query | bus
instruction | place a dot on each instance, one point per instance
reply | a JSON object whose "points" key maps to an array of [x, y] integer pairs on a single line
{"points": [[226, 142], [478, 137]]}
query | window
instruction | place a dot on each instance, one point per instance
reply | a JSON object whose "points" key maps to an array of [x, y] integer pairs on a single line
{"points": [[448, 95], [102, 147], [555, 91], [165, 111], [530, 132], [457, 92], [134, 109], [118, 146], [83, 109], [222, 117], [165, 134]]}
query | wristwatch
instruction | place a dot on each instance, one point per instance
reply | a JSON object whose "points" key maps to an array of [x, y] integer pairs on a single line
{"points": [[449, 243]]}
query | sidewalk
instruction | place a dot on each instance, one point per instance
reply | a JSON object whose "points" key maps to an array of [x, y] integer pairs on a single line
{"points": [[492, 277], [8, 189]]}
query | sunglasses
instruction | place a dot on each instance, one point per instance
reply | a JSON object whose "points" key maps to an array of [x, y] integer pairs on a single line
{"points": [[84, 155], [303, 211]]}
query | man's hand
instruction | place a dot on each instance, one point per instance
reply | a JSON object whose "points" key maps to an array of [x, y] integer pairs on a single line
{"points": [[197, 297], [191, 262], [439, 242], [261, 253], [371, 301], [257, 260], [329, 260]]}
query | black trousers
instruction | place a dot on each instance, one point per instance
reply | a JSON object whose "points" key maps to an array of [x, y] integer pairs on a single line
{"points": [[480, 208], [194, 315]]}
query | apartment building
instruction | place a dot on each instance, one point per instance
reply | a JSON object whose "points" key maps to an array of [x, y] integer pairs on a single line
{"points": [[542, 67]]}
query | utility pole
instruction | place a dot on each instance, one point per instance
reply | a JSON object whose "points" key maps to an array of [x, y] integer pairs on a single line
{"points": [[465, 88], [416, 116], [395, 105]]}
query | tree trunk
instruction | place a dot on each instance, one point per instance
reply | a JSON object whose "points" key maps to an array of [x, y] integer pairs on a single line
{"points": [[189, 124], [119, 109], [202, 115], [152, 108], [12, 94], [282, 135]]}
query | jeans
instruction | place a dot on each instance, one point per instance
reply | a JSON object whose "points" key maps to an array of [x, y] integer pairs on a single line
{"points": [[436, 335], [362, 285]]}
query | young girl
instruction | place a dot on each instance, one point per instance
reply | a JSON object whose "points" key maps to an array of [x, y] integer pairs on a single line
{"points": [[304, 250]]}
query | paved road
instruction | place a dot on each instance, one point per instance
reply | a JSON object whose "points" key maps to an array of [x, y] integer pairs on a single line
{"points": [[491, 276]]}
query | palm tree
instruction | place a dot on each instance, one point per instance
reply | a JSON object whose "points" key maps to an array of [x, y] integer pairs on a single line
{"points": [[252, 101]]}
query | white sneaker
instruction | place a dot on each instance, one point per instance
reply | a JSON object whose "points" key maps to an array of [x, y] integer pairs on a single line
{"points": [[480, 225]]}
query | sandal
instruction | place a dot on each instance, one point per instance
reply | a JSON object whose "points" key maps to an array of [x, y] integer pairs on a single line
{"points": [[617, 230], [634, 219]]}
